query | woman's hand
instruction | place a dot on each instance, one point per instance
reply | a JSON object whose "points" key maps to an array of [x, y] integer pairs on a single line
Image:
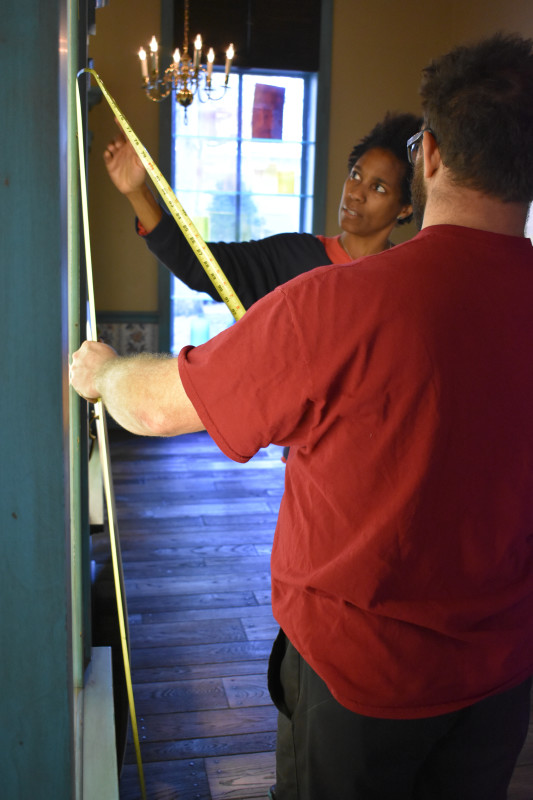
{"points": [[124, 166]]}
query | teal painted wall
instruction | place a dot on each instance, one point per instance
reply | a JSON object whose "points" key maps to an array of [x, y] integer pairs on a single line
{"points": [[36, 685]]}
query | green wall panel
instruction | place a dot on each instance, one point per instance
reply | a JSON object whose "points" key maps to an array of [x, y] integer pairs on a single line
{"points": [[36, 710]]}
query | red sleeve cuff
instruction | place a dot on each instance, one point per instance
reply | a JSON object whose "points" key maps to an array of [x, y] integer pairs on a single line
{"points": [[140, 230]]}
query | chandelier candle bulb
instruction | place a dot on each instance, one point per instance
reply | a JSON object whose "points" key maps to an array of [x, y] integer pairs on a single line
{"points": [[154, 55], [144, 65], [230, 52], [197, 51], [176, 56], [210, 59]]}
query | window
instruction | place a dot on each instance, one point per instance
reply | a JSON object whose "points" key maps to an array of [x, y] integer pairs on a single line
{"points": [[243, 168]]}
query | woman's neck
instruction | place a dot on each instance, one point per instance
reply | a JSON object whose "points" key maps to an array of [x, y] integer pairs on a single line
{"points": [[357, 246]]}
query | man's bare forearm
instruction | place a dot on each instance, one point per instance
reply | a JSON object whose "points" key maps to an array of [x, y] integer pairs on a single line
{"points": [[145, 395], [143, 392]]}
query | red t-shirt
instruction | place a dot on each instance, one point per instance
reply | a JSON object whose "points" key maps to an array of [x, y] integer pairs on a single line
{"points": [[402, 566]]}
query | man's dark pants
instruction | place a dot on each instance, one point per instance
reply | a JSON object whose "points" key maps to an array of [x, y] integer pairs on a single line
{"points": [[326, 752]]}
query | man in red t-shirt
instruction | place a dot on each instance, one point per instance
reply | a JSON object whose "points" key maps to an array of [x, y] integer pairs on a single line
{"points": [[402, 566]]}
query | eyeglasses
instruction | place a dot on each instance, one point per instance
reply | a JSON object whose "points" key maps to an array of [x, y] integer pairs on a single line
{"points": [[413, 145]]}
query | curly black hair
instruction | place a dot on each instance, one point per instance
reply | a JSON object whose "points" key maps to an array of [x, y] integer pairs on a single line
{"points": [[478, 101], [391, 134]]}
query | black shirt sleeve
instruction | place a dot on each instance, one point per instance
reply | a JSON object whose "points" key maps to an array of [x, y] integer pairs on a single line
{"points": [[252, 268]]}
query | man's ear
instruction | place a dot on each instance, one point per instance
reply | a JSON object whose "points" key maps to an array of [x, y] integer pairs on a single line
{"points": [[432, 159]]}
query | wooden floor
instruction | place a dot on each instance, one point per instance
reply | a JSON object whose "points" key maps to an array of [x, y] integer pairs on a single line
{"points": [[196, 532]]}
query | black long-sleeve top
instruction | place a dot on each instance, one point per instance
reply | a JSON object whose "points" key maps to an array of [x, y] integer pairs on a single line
{"points": [[252, 268]]}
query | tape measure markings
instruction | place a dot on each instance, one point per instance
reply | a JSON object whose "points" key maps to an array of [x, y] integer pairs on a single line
{"points": [[189, 230], [101, 430], [227, 294]]}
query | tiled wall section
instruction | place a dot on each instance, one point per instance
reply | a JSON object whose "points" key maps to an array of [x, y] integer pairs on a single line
{"points": [[128, 337]]}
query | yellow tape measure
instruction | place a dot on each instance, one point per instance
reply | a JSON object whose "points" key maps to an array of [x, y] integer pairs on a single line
{"points": [[189, 230], [103, 443], [226, 293]]}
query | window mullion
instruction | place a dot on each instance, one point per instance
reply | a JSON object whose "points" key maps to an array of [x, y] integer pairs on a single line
{"points": [[305, 154], [238, 179]]}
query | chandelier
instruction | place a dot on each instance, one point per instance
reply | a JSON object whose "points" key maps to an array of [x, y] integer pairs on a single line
{"points": [[187, 77]]}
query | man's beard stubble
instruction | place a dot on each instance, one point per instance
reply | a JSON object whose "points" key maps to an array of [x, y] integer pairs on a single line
{"points": [[418, 192]]}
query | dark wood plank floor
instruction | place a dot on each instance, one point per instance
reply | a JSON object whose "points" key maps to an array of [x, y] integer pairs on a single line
{"points": [[196, 532]]}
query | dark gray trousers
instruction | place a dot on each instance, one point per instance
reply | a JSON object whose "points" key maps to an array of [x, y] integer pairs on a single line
{"points": [[326, 752]]}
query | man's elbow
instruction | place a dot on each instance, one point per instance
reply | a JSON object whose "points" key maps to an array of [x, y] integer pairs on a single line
{"points": [[157, 422]]}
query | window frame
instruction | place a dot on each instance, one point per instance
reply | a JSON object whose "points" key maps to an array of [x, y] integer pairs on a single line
{"points": [[187, 149], [307, 144]]}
